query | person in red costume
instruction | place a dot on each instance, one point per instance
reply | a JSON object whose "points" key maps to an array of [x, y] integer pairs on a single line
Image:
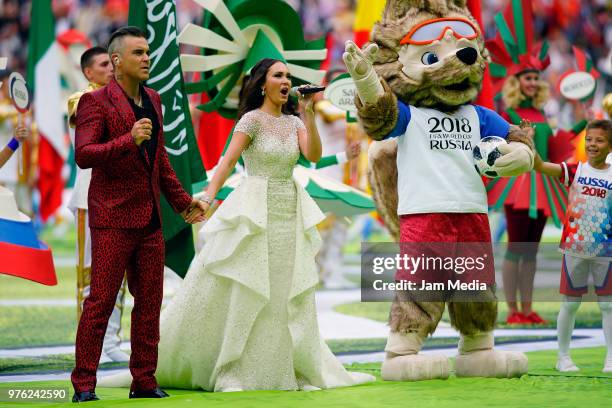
{"points": [[529, 199], [119, 135]]}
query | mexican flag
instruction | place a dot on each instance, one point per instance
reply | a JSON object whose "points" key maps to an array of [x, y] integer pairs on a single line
{"points": [[44, 82], [157, 18]]}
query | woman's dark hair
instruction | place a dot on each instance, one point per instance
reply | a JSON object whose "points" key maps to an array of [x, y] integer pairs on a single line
{"points": [[250, 93]]}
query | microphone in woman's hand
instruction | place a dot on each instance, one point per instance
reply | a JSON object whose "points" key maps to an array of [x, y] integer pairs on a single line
{"points": [[305, 90]]}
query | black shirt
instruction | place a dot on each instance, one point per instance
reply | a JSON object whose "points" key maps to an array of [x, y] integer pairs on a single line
{"points": [[148, 147], [147, 111]]}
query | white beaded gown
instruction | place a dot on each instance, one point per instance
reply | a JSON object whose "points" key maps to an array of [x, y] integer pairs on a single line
{"points": [[245, 316]]}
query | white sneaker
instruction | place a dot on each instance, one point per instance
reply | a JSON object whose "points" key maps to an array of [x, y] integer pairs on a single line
{"points": [[566, 365], [117, 355]]}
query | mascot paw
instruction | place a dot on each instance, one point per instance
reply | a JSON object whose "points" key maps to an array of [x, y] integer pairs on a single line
{"points": [[517, 158], [415, 367], [359, 64], [491, 363]]}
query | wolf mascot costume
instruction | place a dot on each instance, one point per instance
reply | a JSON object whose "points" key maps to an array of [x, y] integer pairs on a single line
{"points": [[425, 63]]}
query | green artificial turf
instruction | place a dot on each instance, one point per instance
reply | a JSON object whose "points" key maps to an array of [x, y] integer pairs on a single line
{"points": [[21, 325], [65, 362], [60, 238], [12, 287], [45, 364], [543, 387], [35, 326]]}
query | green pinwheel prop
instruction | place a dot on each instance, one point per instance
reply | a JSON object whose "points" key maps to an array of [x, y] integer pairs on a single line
{"points": [[234, 36], [331, 195]]}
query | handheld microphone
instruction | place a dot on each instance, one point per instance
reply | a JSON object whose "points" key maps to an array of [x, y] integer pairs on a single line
{"points": [[305, 90]]}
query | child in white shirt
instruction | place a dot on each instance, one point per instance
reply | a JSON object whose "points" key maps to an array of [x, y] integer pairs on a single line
{"points": [[586, 241]]}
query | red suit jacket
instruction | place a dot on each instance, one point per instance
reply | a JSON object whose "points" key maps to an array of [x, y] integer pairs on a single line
{"points": [[122, 182]]}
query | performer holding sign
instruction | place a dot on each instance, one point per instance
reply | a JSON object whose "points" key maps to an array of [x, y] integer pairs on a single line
{"points": [[16, 170], [20, 97], [21, 133]]}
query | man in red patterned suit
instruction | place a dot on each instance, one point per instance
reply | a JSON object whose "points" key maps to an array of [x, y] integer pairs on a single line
{"points": [[119, 134]]}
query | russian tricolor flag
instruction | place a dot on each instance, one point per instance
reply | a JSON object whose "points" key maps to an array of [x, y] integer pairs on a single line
{"points": [[21, 253]]}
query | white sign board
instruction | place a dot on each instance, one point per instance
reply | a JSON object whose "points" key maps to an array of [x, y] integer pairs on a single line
{"points": [[341, 93], [577, 85], [18, 92]]}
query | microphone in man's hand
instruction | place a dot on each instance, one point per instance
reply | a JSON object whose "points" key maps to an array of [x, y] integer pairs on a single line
{"points": [[305, 90]]}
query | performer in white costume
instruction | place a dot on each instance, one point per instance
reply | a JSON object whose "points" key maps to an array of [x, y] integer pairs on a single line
{"points": [[245, 316], [97, 68]]}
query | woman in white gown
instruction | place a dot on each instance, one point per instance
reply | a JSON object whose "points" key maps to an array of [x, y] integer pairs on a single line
{"points": [[245, 316]]}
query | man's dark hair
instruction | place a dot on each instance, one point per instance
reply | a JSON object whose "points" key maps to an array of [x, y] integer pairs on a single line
{"points": [[603, 124], [88, 56], [116, 38]]}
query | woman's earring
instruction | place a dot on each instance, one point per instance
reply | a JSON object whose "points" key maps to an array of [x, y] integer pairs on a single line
{"points": [[263, 92]]}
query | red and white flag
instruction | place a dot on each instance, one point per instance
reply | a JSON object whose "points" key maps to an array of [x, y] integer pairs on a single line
{"points": [[44, 81]]}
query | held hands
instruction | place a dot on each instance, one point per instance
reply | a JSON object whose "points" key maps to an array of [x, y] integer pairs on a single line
{"points": [[142, 130], [528, 129], [517, 158], [21, 133], [195, 212]]}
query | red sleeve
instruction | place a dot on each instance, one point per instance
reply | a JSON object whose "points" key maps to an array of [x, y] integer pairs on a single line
{"points": [[169, 183], [568, 172], [90, 150]]}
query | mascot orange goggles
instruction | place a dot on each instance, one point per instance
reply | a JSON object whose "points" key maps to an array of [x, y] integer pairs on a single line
{"points": [[433, 30]]}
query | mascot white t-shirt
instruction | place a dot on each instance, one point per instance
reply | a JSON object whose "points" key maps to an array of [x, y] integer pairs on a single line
{"points": [[435, 168]]}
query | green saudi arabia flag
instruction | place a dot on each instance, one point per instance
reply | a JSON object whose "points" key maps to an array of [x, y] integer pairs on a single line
{"points": [[157, 18]]}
